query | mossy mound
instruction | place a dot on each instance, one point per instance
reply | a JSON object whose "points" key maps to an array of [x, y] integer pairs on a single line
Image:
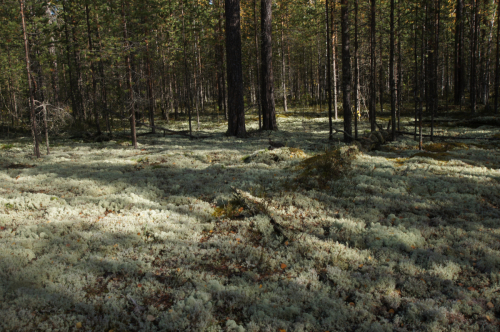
{"points": [[270, 157], [334, 164]]}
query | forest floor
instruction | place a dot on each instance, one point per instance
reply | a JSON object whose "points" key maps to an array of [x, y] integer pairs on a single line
{"points": [[102, 237]]}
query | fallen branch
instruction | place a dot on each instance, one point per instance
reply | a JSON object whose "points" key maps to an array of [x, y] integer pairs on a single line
{"points": [[341, 131], [262, 206], [172, 132], [450, 137]]}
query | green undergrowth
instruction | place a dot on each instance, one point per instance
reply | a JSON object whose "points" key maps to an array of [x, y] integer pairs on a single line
{"points": [[6, 146]]}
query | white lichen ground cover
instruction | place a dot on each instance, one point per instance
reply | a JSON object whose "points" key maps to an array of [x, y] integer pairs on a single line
{"points": [[100, 237]]}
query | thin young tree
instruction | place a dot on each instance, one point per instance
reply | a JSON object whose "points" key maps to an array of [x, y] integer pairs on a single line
{"points": [[328, 70], [392, 82], [373, 65], [129, 76], [267, 84], [257, 62], [497, 60], [356, 70], [92, 69], [459, 53], [473, 55], [28, 72]]}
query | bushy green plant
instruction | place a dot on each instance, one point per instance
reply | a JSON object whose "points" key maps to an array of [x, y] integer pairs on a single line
{"points": [[7, 146]]}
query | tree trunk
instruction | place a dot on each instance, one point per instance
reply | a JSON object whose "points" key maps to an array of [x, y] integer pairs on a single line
{"points": [[45, 127], [474, 25], [92, 70], [381, 77], [497, 61], [149, 82], [435, 65], [356, 71], [73, 83], [346, 72], [423, 92], [187, 94], [399, 90], [459, 53], [104, 94], [267, 84], [487, 66], [257, 62], [328, 71], [334, 64], [283, 66], [236, 121], [392, 82], [373, 66], [129, 77], [32, 97]]}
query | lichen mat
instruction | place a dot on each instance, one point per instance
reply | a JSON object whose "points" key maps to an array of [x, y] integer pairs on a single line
{"points": [[98, 236]]}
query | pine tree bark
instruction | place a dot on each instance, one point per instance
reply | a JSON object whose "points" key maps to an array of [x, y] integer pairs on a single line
{"points": [[236, 120], [267, 84], [346, 72]]}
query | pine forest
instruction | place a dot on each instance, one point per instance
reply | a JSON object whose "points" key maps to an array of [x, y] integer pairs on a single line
{"points": [[250, 165]]}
